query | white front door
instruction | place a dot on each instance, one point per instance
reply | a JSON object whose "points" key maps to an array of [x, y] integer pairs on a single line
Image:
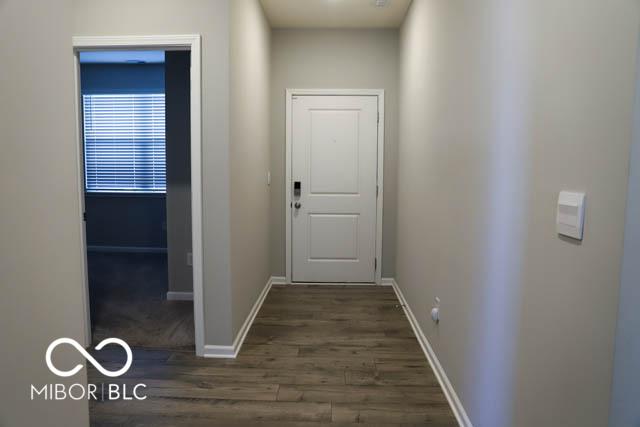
{"points": [[333, 188]]}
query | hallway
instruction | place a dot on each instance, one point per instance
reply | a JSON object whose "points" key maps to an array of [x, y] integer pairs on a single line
{"points": [[176, 174], [315, 354]]}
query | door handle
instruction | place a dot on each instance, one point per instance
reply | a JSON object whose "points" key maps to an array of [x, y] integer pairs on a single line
{"points": [[297, 205]]}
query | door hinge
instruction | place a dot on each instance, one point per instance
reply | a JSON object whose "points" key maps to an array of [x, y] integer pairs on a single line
{"points": [[84, 216], [377, 188], [378, 116], [375, 264]]}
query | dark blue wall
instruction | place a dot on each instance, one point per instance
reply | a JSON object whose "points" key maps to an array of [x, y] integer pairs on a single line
{"points": [[125, 220], [122, 78]]}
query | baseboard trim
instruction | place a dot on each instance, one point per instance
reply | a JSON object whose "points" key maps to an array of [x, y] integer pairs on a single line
{"points": [[387, 281], [278, 280], [281, 280], [445, 384], [179, 296], [331, 284], [219, 352], [127, 249], [231, 351]]}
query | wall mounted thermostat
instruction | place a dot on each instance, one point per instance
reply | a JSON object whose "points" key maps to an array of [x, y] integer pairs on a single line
{"points": [[570, 217]]}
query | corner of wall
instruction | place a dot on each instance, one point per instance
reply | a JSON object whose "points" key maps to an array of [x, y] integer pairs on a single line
{"points": [[250, 50], [625, 386]]}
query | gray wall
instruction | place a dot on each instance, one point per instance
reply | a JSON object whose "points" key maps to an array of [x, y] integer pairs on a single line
{"points": [[210, 19], [177, 92], [250, 45], [625, 410], [40, 249], [316, 59], [503, 104]]}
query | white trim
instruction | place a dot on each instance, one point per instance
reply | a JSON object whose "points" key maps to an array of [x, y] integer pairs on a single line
{"points": [[231, 351], [126, 249], [170, 42], [192, 43], [179, 296], [380, 193], [81, 204], [278, 280], [336, 92], [287, 185], [219, 351], [380, 178], [441, 375], [196, 194], [332, 284], [387, 281]]}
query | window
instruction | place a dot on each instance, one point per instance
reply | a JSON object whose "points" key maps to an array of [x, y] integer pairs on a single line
{"points": [[124, 143]]}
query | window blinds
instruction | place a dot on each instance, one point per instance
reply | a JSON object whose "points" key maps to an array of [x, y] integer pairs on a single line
{"points": [[124, 143]]}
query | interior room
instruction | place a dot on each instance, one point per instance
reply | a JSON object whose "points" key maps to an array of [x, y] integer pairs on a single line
{"points": [[378, 212], [136, 174]]}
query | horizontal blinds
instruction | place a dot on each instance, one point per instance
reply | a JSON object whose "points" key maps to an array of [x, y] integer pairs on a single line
{"points": [[124, 143]]}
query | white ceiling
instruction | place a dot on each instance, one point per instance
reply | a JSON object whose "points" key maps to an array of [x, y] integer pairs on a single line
{"points": [[335, 13]]}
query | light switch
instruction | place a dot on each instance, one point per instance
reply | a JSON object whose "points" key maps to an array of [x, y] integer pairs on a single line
{"points": [[570, 217]]}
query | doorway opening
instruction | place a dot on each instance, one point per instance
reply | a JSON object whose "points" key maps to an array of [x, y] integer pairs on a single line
{"points": [[139, 170]]}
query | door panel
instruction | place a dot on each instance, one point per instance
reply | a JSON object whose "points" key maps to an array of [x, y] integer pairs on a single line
{"points": [[333, 237], [334, 157], [334, 152]]}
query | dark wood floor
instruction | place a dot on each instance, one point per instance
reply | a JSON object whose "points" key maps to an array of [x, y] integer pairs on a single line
{"points": [[315, 354]]}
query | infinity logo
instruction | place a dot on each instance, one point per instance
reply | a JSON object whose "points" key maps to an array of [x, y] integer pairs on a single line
{"points": [[90, 358]]}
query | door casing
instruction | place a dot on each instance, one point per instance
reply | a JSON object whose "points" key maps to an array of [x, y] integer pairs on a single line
{"points": [[290, 93], [190, 42]]}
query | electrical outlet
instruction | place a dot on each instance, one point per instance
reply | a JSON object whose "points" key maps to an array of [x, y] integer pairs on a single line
{"points": [[189, 258], [435, 311]]}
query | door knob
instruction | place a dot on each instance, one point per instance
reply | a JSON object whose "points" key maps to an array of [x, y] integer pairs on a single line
{"points": [[297, 205]]}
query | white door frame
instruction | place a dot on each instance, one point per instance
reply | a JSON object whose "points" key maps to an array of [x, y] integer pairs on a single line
{"points": [[290, 93], [190, 42]]}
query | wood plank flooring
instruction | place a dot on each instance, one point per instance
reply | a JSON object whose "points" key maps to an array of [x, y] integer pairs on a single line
{"points": [[339, 355]]}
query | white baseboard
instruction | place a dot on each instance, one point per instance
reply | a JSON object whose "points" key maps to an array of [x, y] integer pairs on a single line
{"points": [[278, 280], [127, 249], [332, 284], [281, 280], [179, 296], [387, 281], [219, 351], [231, 351], [447, 388]]}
